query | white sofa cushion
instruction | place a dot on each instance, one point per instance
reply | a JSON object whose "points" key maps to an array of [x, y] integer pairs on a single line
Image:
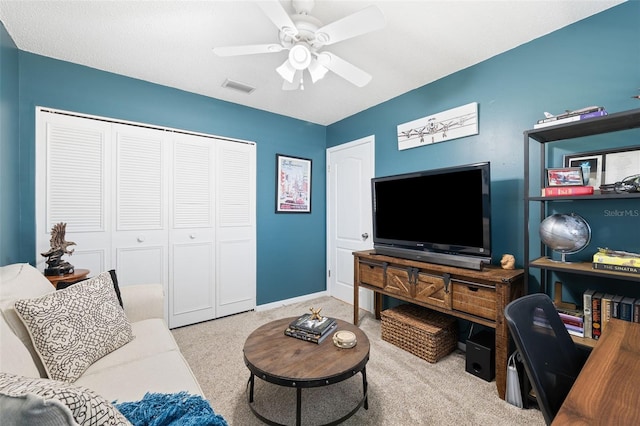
{"points": [[152, 337], [74, 327], [87, 407], [19, 281], [14, 356], [166, 372]]}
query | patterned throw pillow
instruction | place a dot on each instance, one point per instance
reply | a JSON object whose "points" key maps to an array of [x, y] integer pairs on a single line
{"points": [[114, 279], [74, 327], [87, 407]]}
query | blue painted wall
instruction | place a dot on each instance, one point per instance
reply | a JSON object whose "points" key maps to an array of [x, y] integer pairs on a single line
{"points": [[595, 61], [9, 151]]}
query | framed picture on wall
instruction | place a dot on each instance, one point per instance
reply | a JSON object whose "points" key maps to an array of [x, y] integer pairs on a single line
{"points": [[293, 184]]}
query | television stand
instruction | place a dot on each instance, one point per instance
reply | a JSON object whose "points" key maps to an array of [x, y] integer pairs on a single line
{"points": [[472, 295]]}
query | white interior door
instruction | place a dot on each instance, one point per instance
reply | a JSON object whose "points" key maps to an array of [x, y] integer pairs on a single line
{"points": [[72, 186], [192, 231], [349, 226], [235, 227], [140, 248]]}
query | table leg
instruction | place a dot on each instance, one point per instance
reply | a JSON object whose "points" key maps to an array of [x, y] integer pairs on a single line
{"points": [[298, 406], [364, 388], [251, 381]]}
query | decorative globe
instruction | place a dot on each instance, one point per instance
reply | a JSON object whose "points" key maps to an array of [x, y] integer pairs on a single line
{"points": [[565, 233]]}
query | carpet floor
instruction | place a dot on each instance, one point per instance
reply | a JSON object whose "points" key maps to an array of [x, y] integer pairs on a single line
{"points": [[403, 389]]}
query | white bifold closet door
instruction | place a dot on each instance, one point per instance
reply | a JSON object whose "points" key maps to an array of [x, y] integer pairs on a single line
{"points": [[158, 206]]}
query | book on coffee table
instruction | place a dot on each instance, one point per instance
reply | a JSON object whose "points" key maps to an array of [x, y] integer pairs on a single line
{"points": [[310, 337], [312, 326]]}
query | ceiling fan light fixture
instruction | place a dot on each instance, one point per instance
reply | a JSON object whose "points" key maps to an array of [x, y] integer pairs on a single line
{"points": [[286, 71], [317, 71], [300, 56]]}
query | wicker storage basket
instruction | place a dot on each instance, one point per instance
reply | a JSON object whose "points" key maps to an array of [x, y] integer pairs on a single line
{"points": [[427, 334]]}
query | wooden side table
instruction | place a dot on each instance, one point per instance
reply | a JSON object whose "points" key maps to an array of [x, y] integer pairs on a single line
{"points": [[78, 274]]}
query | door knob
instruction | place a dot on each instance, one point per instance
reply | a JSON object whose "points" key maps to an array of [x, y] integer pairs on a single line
{"points": [[365, 236]]}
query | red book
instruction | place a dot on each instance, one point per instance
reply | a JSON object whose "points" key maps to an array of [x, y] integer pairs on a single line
{"points": [[559, 191]]}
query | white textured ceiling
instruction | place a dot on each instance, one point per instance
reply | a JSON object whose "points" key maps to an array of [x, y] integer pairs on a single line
{"points": [[170, 42]]}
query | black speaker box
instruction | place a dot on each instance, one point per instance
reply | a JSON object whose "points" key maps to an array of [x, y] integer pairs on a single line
{"points": [[481, 358]]}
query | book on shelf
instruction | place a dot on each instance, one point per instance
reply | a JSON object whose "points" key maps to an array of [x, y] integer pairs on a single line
{"points": [[636, 311], [570, 114], [312, 326], [571, 118], [310, 337], [628, 259], [571, 320], [574, 331], [615, 306], [561, 191], [586, 303], [605, 310], [616, 268], [596, 324], [626, 308]]}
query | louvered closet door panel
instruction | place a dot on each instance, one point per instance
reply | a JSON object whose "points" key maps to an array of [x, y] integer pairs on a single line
{"points": [[140, 197], [72, 176], [191, 234], [235, 227]]}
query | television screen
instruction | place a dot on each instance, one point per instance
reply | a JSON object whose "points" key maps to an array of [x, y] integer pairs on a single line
{"points": [[444, 211]]}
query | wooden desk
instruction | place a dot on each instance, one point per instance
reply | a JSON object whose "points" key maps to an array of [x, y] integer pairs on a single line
{"points": [[78, 274], [607, 390]]}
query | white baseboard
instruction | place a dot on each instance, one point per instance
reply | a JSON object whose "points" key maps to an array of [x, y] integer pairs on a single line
{"points": [[291, 301]]}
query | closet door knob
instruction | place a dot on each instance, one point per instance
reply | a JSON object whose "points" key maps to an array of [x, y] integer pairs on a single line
{"points": [[140, 238]]}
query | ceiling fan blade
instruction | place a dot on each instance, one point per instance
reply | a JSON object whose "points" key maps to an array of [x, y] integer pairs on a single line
{"points": [[250, 49], [276, 13], [295, 83], [358, 23], [344, 69]]}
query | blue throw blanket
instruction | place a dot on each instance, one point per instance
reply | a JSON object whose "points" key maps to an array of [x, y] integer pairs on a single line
{"points": [[173, 409]]}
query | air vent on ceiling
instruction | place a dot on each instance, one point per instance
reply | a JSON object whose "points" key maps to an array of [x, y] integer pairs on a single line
{"points": [[236, 85]]}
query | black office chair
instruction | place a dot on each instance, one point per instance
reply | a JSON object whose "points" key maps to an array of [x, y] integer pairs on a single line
{"points": [[551, 359]]}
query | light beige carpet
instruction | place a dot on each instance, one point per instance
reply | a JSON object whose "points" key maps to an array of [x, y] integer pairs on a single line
{"points": [[403, 389]]}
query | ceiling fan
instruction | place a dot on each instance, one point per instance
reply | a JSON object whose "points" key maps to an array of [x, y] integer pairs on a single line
{"points": [[305, 37]]}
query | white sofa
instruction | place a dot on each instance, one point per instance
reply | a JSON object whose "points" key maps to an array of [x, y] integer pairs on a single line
{"points": [[151, 362]]}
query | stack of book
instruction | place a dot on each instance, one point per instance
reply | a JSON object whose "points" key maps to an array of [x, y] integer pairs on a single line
{"points": [[618, 261], [573, 320], [570, 116], [311, 330]]}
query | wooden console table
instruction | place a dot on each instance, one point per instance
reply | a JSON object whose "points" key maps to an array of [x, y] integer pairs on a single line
{"points": [[476, 296]]}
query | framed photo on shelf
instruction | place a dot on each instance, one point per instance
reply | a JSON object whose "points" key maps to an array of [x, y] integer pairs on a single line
{"points": [[607, 167], [591, 165], [293, 184], [564, 176]]}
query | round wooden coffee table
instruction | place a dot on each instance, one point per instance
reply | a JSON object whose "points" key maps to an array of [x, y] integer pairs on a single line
{"points": [[267, 347]]}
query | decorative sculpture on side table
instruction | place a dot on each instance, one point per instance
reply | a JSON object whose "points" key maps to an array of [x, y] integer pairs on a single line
{"points": [[59, 247], [315, 314]]}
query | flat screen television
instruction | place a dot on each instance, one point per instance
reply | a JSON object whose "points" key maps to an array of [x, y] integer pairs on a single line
{"points": [[440, 216]]}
